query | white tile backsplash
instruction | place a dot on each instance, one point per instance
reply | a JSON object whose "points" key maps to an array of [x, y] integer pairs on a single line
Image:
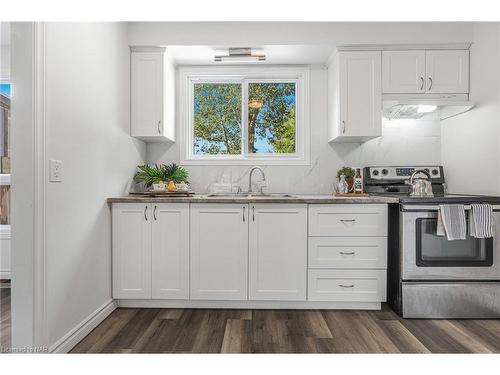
{"points": [[403, 142]]}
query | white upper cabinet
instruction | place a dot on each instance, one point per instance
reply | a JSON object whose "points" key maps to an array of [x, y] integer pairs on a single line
{"points": [[219, 251], [151, 93], [429, 72], [131, 251], [278, 252], [403, 72], [357, 96], [170, 251], [447, 71]]}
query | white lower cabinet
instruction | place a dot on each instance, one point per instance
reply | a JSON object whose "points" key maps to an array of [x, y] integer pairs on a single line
{"points": [[219, 251], [278, 252], [258, 253], [347, 285], [347, 252], [347, 255], [170, 251], [150, 251], [131, 250]]}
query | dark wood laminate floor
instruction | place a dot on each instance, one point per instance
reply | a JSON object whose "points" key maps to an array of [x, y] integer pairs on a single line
{"points": [[285, 331], [4, 316]]}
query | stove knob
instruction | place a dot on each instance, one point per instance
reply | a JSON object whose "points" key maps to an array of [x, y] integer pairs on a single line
{"points": [[435, 172], [375, 172], [385, 171]]}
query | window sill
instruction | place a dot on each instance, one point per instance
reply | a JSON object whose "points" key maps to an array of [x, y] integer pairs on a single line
{"points": [[256, 161]]}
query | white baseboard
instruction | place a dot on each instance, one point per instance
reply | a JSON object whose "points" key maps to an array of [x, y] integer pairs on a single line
{"points": [[73, 337], [289, 305]]}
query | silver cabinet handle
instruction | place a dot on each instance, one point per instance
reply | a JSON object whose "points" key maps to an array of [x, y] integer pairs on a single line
{"points": [[346, 286], [159, 130], [343, 123], [244, 208], [348, 220], [422, 83], [253, 213], [347, 252], [430, 83], [146, 213], [154, 213]]}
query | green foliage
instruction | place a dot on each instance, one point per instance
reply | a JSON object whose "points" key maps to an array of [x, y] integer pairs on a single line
{"points": [[217, 118], [149, 175], [176, 173], [346, 171], [284, 136], [275, 120]]}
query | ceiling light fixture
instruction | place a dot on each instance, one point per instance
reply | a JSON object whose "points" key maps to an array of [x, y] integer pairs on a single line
{"points": [[242, 55], [255, 103]]}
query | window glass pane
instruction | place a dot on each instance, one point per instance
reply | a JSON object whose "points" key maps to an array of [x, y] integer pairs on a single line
{"points": [[271, 118], [217, 118]]}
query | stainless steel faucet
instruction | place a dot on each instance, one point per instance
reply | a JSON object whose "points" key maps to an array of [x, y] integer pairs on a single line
{"points": [[250, 178]]}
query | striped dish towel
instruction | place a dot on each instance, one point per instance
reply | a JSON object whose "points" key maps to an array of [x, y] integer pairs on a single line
{"points": [[451, 221], [481, 221]]}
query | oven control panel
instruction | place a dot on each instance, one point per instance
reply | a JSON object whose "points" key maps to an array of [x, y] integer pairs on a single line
{"points": [[401, 173]]}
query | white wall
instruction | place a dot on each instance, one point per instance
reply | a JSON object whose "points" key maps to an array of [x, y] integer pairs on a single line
{"points": [[4, 62], [403, 141], [470, 142], [262, 33], [87, 98]]}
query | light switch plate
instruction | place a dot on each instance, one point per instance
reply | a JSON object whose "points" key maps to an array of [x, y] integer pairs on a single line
{"points": [[55, 174]]}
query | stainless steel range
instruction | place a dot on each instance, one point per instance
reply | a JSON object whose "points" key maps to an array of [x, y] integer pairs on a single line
{"points": [[429, 276]]}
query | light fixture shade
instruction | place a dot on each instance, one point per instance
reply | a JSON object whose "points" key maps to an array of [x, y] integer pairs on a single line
{"points": [[240, 55]]}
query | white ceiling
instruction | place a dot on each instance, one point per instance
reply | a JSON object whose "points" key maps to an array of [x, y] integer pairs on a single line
{"points": [[4, 33], [275, 54]]}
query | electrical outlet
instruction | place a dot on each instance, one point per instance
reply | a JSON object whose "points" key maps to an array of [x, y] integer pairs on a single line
{"points": [[55, 167]]}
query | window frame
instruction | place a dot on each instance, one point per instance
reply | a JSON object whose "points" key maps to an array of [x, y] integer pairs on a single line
{"points": [[244, 75]]}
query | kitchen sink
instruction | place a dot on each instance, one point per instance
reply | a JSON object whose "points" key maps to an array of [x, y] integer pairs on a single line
{"points": [[249, 195]]}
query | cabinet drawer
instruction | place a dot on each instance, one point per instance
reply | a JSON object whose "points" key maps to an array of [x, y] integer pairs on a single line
{"points": [[348, 220], [348, 252], [347, 285]]}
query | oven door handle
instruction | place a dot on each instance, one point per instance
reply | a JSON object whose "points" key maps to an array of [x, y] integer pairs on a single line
{"points": [[418, 207]]}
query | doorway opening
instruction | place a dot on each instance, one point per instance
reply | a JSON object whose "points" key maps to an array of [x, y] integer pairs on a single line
{"points": [[5, 229]]}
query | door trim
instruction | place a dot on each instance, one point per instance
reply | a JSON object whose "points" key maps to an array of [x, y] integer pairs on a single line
{"points": [[29, 262]]}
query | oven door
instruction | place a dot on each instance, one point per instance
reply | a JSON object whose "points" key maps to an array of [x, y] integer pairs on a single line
{"points": [[427, 256]]}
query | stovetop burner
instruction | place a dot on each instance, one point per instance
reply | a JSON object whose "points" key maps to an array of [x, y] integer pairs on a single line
{"points": [[390, 181]]}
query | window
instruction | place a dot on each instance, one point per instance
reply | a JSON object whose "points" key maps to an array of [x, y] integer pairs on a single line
{"points": [[238, 115]]}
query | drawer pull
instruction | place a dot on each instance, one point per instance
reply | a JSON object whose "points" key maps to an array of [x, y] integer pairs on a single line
{"points": [[348, 220], [346, 286], [347, 252]]}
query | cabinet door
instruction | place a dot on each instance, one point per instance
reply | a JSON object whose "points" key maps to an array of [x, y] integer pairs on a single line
{"points": [[146, 92], [170, 251], [360, 97], [219, 251], [131, 250], [403, 72], [278, 252], [447, 71]]}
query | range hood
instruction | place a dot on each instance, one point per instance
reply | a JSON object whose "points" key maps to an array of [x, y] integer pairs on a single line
{"points": [[397, 106]]}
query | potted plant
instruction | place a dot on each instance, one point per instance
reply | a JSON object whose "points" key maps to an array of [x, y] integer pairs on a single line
{"points": [[349, 174], [175, 174], [161, 174]]}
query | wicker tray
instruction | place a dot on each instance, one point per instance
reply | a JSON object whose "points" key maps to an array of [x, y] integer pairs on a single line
{"points": [[351, 195], [161, 193]]}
